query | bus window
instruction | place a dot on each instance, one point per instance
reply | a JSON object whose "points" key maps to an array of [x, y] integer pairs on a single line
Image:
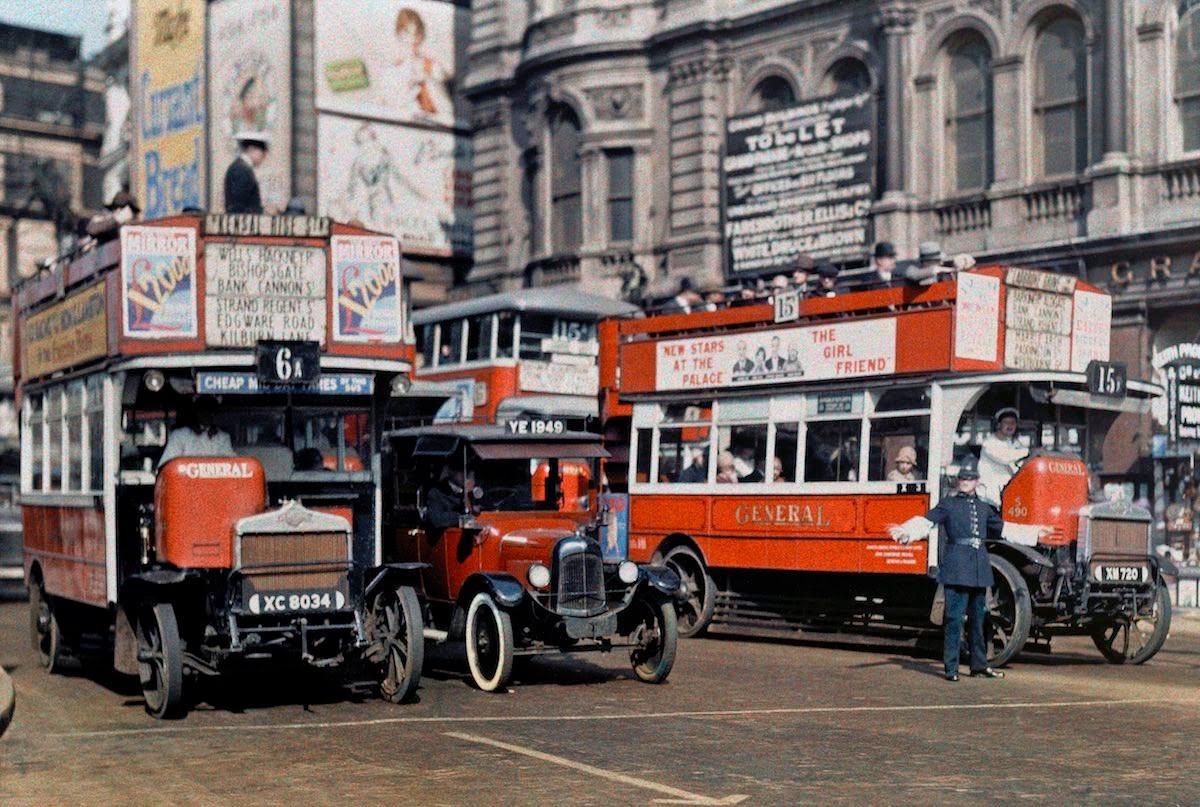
{"points": [[54, 420], [320, 437], [683, 454], [479, 338], [645, 444], [74, 438], [450, 347], [832, 451], [895, 440], [37, 458], [429, 343], [748, 444], [506, 332], [787, 443], [95, 397]]}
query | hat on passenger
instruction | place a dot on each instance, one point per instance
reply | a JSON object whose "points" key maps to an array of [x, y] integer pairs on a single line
{"points": [[968, 468], [804, 263], [124, 199], [929, 251], [907, 454], [253, 138], [1005, 412], [885, 249], [826, 269]]}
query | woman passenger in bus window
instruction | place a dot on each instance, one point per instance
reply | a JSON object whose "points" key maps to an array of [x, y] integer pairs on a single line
{"points": [[777, 471], [726, 472], [906, 465]]}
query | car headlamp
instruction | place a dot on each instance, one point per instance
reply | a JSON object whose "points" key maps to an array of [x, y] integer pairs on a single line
{"points": [[538, 575], [627, 572]]}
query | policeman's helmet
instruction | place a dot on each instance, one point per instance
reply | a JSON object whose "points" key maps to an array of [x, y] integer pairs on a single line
{"points": [[968, 468]]}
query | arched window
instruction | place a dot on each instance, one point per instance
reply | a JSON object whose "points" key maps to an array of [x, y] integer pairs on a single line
{"points": [[772, 93], [566, 181], [1187, 77], [969, 113], [845, 77], [1060, 98]]}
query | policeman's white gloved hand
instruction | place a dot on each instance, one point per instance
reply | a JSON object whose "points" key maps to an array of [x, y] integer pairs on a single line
{"points": [[899, 534], [963, 262]]}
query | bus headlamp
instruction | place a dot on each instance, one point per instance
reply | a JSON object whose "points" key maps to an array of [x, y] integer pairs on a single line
{"points": [[154, 380], [627, 572], [401, 384], [538, 575]]}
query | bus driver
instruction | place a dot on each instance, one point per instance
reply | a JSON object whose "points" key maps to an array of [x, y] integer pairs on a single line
{"points": [[196, 433], [999, 456]]}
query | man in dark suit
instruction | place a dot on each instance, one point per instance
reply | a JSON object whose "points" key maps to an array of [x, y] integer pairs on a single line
{"points": [[884, 263], [964, 568], [241, 185]]}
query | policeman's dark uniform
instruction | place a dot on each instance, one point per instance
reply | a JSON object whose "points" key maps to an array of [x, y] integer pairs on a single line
{"points": [[965, 570]]}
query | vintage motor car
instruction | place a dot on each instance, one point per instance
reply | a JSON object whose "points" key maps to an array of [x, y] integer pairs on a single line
{"points": [[512, 560]]}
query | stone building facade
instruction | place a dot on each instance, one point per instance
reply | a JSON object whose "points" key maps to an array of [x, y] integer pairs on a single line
{"points": [[1055, 133], [51, 124]]}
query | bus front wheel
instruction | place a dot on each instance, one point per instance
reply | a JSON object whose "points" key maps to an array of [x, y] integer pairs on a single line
{"points": [[695, 610], [1010, 612], [45, 630]]}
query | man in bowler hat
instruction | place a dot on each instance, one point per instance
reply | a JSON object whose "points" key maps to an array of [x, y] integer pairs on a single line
{"points": [[964, 568], [883, 261], [242, 194]]}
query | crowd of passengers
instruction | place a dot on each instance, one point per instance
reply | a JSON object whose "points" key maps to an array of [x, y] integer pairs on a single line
{"points": [[812, 278]]}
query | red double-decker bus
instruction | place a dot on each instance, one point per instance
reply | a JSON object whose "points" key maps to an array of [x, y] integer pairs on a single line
{"points": [[527, 353], [201, 404], [765, 446]]}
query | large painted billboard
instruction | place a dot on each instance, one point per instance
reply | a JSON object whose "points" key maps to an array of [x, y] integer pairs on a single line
{"points": [[250, 90], [408, 182], [391, 60], [167, 170]]}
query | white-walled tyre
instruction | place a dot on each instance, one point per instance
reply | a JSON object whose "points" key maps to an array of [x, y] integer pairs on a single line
{"points": [[489, 643]]}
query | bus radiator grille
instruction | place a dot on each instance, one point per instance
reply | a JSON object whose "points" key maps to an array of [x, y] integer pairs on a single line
{"points": [[294, 561]]}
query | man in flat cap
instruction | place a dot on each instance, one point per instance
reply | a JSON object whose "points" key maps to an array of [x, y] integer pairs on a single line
{"points": [[827, 277], [241, 185], [105, 227]]}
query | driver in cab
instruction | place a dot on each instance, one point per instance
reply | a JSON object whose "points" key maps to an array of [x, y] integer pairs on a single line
{"points": [[196, 433], [447, 499]]}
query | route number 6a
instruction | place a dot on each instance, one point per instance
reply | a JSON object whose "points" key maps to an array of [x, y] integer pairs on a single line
{"points": [[292, 364]]}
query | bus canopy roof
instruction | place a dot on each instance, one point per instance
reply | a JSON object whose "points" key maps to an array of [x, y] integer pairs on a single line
{"points": [[557, 301]]}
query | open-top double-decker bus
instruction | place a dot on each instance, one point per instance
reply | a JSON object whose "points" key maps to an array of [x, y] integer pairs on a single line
{"points": [[201, 403], [764, 448], [530, 353]]}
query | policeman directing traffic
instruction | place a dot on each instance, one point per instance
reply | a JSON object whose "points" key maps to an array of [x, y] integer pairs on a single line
{"points": [[964, 568]]}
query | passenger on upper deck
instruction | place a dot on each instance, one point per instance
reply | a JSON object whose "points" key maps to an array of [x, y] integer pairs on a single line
{"points": [[932, 266], [242, 193], [105, 227], [883, 263], [800, 271], [686, 300], [827, 284], [999, 455], [196, 433]]}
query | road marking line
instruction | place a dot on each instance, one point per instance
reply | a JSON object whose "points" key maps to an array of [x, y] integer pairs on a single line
{"points": [[713, 713], [678, 796]]}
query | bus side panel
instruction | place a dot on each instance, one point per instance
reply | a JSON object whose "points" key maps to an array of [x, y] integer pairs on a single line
{"points": [[800, 533], [68, 544]]}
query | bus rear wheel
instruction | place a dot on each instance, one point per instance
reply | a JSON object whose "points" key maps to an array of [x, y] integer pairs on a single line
{"points": [[396, 624], [695, 610], [45, 631], [160, 660], [1010, 612], [1136, 640]]}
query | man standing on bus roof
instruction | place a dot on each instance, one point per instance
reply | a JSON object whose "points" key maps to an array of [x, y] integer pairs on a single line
{"points": [[241, 184], [196, 433], [999, 455], [964, 567]]}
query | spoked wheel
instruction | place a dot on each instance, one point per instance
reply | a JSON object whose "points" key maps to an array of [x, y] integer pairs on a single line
{"points": [[160, 660], [1010, 613], [657, 635], [44, 630], [1136, 640], [489, 643], [695, 611], [399, 642]]}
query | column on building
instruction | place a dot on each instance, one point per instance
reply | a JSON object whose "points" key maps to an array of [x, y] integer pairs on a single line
{"points": [[893, 216], [1112, 210]]}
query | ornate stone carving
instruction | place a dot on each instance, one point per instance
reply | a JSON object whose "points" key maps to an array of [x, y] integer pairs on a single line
{"points": [[699, 69], [990, 7], [551, 28], [824, 44], [935, 17], [794, 55], [897, 19], [621, 102], [748, 64], [614, 18]]}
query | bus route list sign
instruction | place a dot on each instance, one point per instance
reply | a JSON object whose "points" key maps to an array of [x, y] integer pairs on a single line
{"points": [[799, 181], [158, 283], [366, 271], [263, 291], [815, 353]]}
